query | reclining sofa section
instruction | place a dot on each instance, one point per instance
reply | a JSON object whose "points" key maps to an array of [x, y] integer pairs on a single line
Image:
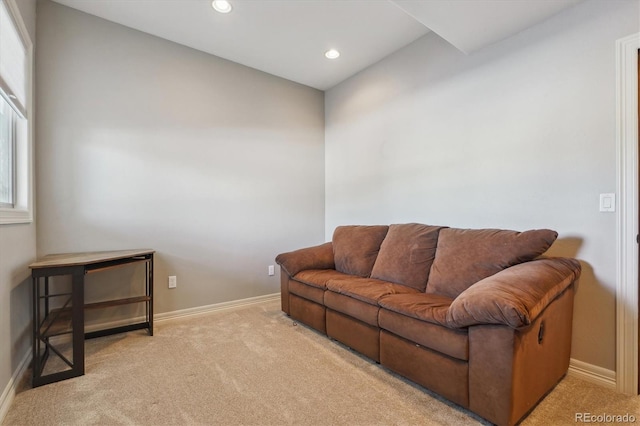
{"points": [[472, 314]]}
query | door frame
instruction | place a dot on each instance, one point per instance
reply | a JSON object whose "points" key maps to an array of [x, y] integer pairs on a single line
{"points": [[627, 214]]}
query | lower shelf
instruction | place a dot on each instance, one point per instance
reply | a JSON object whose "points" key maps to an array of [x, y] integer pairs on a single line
{"points": [[59, 320]]}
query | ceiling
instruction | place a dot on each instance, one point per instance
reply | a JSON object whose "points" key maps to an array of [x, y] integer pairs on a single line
{"points": [[288, 38]]}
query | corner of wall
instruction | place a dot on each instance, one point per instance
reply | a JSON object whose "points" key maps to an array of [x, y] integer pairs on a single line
{"points": [[10, 390]]}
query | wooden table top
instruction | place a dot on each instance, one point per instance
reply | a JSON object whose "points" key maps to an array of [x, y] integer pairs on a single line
{"points": [[86, 258]]}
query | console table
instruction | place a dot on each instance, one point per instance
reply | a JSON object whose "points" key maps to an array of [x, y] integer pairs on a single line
{"points": [[51, 324]]}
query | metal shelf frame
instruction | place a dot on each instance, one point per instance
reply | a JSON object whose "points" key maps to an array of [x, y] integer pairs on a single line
{"points": [[69, 319]]}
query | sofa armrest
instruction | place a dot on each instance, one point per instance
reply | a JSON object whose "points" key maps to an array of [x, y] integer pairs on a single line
{"points": [[515, 296], [316, 257]]}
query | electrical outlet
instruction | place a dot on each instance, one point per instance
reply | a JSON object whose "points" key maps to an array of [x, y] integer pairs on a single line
{"points": [[173, 281], [272, 270]]}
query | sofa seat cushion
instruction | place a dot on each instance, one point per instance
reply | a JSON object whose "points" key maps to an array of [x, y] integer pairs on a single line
{"points": [[355, 248], [309, 292], [451, 342], [354, 308], [466, 256], [406, 254], [358, 297], [368, 290], [421, 306], [319, 277]]}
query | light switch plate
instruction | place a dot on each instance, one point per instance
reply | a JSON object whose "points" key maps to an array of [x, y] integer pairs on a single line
{"points": [[608, 202]]}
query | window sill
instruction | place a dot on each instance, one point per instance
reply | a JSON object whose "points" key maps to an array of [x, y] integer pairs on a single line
{"points": [[13, 216]]}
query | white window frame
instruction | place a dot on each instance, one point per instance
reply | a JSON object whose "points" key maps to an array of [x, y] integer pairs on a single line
{"points": [[22, 211], [628, 168]]}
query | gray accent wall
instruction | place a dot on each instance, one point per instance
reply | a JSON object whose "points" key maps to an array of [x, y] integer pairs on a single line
{"points": [[17, 251], [144, 143], [519, 135]]}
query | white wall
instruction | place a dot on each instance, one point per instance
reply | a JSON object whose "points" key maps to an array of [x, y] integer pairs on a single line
{"points": [[17, 251], [146, 143], [519, 135]]}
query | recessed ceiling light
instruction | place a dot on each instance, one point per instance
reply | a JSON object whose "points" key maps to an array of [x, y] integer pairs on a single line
{"points": [[331, 54], [222, 6]]}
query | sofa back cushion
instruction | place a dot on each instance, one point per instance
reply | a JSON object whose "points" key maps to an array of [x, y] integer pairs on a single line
{"points": [[355, 248], [406, 254], [465, 256]]}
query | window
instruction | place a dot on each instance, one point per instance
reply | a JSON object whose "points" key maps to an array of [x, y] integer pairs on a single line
{"points": [[7, 155], [15, 108]]}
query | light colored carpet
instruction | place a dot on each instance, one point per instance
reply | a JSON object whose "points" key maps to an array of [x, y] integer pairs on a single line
{"points": [[253, 366]]}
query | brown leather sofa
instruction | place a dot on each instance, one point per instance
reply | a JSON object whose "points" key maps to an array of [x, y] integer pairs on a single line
{"points": [[475, 315]]}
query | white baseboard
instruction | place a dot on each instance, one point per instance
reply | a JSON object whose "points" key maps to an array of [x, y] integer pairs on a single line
{"points": [[10, 391], [592, 373], [182, 313], [200, 310]]}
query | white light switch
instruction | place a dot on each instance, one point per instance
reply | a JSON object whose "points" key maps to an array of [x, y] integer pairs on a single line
{"points": [[608, 202]]}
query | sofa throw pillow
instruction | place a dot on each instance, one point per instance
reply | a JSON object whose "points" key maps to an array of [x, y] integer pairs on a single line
{"points": [[356, 247], [465, 256], [406, 254]]}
